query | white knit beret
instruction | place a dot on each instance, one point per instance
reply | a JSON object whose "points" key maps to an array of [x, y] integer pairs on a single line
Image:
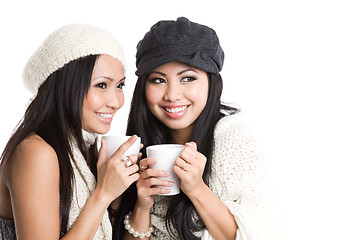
{"points": [[64, 45]]}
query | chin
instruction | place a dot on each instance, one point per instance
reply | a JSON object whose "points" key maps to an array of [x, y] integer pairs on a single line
{"points": [[177, 126], [101, 131]]}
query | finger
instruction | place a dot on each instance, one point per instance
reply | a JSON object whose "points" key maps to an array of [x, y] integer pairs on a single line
{"points": [[154, 186], [134, 177], [157, 182], [122, 149], [132, 169], [143, 167], [147, 162], [191, 155], [182, 164], [192, 145], [129, 160], [126, 161], [102, 154], [153, 191], [154, 173], [133, 158], [143, 164], [179, 172]]}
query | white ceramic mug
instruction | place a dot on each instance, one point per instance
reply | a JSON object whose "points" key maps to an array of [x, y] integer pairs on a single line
{"points": [[166, 154], [113, 142]]}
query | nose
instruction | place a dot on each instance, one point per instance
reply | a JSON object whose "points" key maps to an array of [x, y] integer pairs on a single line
{"points": [[115, 99], [173, 92]]}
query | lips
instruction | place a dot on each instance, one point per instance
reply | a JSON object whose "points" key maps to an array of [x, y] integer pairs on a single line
{"points": [[105, 117], [175, 111]]}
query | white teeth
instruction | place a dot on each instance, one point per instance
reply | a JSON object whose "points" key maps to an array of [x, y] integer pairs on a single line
{"points": [[105, 115], [176, 110]]}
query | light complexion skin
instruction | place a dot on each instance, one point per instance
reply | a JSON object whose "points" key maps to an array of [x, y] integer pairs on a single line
{"points": [[32, 175], [105, 95], [177, 94]]}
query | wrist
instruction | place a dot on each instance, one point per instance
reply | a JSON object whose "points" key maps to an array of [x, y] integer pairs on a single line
{"points": [[101, 197], [141, 208], [133, 230], [198, 192], [140, 218]]}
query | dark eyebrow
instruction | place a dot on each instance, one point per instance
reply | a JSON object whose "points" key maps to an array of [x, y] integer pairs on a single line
{"points": [[110, 79], [179, 73], [162, 74], [187, 70]]}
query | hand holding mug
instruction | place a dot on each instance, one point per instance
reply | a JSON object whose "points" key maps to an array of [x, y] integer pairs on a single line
{"points": [[189, 167], [114, 174], [166, 155], [151, 183]]}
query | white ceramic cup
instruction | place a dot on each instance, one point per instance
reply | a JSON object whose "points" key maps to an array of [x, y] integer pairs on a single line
{"points": [[113, 142], [166, 154]]}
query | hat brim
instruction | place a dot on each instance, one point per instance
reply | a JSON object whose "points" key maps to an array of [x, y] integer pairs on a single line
{"points": [[196, 60]]}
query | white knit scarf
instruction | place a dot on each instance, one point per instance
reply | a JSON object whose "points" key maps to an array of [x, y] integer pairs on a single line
{"points": [[83, 187]]}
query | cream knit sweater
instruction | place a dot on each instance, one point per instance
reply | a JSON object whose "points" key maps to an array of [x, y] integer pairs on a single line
{"points": [[239, 177], [83, 187]]}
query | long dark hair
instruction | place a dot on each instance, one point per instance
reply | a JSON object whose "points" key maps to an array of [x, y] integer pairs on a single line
{"points": [[143, 123], [56, 116]]}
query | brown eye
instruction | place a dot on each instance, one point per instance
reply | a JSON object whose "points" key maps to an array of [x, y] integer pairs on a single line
{"points": [[157, 80], [101, 85], [188, 79], [121, 85]]}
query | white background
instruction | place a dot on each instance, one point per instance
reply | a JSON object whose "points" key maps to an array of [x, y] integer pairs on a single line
{"points": [[292, 67]]}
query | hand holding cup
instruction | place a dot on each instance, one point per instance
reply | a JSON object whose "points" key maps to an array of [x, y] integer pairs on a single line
{"points": [[114, 176], [165, 155]]}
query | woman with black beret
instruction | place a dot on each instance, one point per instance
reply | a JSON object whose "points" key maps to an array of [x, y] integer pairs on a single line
{"points": [[223, 175]]}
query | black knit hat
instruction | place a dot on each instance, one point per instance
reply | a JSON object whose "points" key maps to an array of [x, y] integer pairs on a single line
{"points": [[179, 41]]}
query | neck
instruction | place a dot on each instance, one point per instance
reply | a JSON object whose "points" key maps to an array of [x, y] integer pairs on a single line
{"points": [[181, 136]]}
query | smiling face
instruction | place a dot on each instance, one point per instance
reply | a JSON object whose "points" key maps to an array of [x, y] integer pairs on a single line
{"points": [[176, 94], [105, 95]]}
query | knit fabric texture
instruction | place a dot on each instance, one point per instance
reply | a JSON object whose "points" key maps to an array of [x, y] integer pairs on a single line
{"points": [[83, 187], [64, 45], [239, 177], [179, 41], [7, 229]]}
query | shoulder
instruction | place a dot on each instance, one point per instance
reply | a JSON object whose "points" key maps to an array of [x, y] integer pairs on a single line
{"points": [[235, 144], [33, 148], [32, 155], [232, 125], [33, 181], [238, 165]]}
